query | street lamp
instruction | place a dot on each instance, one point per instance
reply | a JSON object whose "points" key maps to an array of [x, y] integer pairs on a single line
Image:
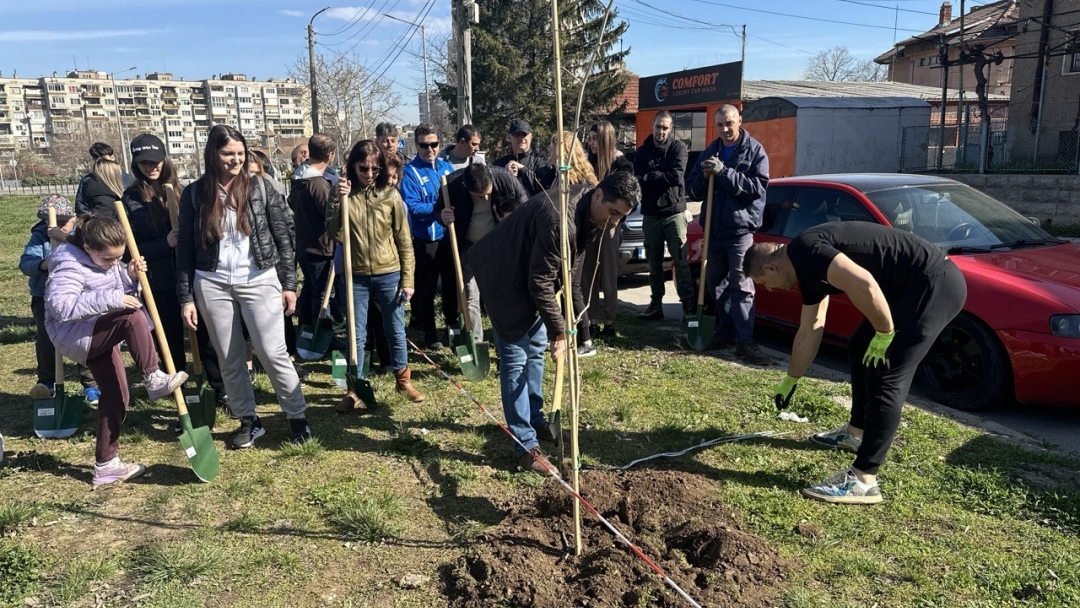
{"points": [[311, 71], [124, 155], [423, 39]]}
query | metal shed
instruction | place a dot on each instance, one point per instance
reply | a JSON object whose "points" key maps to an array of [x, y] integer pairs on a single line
{"points": [[811, 135]]}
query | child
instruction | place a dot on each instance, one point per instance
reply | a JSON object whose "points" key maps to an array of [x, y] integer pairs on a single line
{"points": [[90, 307], [34, 264]]}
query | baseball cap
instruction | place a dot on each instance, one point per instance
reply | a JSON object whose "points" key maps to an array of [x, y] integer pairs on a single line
{"points": [[62, 205], [146, 147], [519, 126]]}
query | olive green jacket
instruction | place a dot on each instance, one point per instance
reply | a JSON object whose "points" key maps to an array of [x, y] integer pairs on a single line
{"points": [[379, 232]]}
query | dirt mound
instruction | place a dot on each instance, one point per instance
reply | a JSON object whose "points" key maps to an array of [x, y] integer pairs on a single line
{"points": [[672, 516]]}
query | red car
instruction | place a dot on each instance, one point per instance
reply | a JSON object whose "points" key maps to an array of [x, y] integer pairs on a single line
{"points": [[1018, 336]]}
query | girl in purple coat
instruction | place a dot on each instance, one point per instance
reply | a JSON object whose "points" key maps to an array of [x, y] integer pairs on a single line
{"points": [[91, 305]]}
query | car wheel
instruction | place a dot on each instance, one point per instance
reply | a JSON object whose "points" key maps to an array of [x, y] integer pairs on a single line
{"points": [[967, 367]]}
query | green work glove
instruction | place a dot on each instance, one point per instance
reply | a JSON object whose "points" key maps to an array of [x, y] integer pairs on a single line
{"points": [[875, 353], [783, 392]]}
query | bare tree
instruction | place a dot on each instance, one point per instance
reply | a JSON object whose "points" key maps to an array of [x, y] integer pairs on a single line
{"points": [[351, 100], [838, 64]]}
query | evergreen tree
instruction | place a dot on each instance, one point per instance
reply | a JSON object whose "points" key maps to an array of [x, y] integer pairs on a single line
{"points": [[513, 67]]}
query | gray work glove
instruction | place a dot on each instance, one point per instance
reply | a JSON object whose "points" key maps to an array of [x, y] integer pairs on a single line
{"points": [[712, 166]]}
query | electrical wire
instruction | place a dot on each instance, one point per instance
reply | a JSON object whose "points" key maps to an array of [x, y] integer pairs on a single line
{"points": [[818, 19]]}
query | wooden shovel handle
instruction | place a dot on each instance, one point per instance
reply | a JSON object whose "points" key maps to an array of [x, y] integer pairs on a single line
{"points": [[463, 303], [326, 294], [705, 242], [58, 359], [350, 305], [151, 306], [172, 205]]}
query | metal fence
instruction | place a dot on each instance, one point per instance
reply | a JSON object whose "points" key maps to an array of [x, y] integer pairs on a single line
{"points": [[1048, 148], [16, 187]]}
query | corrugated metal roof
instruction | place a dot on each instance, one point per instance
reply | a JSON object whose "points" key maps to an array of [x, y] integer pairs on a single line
{"points": [[981, 24], [756, 89], [852, 102]]}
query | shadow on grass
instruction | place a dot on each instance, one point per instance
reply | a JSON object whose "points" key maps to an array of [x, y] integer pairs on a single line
{"points": [[999, 479]]}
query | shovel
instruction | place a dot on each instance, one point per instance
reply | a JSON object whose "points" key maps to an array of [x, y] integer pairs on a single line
{"points": [[197, 442], [314, 340], [555, 417], [355, 381], [58, 416], [699, 328], [474, 359], [339, 368], [201, 400]]}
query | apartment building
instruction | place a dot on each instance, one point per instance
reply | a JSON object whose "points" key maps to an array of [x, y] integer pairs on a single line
{"points": [[38, 111]]}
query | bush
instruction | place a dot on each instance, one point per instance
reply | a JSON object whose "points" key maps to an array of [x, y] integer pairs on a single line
{"points": [[34, 181]]}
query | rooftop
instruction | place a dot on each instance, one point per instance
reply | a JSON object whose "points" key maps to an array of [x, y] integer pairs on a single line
{"points": [[756, 89]]}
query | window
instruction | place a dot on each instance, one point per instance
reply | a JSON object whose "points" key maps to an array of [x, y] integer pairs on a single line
{"points": [[176, 133], [689, 127], [57, 100], [1072, 63], [814, 206]]}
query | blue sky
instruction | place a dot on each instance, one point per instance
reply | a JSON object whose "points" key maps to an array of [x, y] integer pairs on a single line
{"points": [[261, 38]]}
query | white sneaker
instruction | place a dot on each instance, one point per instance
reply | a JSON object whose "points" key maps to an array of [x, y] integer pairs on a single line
{"points": [[160, 384], [839, 438], [116, 470]]}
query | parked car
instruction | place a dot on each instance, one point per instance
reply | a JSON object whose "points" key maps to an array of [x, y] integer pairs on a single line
{"points": [[632, 247], [1018, 336]]}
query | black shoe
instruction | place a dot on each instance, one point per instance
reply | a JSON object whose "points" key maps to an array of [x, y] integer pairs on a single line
{"points": [[301, 432], [534, 460], [719, 343], [432, 342], [251, 428], [301, 372], [750, 352], [689, 308], [608, 331], [654, 312], [594, 330], [176, 428]]}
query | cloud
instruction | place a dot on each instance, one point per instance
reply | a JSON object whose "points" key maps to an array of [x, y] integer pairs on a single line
{"points": [[54, 35], [352, 13], [291, 13]]}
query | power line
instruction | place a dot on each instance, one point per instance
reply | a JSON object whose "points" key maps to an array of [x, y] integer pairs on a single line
{"points": [[360, 12], [833, 21], [889, 8]]}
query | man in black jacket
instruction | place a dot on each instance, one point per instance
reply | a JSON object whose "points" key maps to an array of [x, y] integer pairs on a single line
{"points": [[659, 163], [532, 169], [518, 269], [308, 199], [480, 197]]}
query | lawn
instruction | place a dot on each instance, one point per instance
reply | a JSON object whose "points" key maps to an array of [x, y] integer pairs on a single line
{"points": [[388, 509]]}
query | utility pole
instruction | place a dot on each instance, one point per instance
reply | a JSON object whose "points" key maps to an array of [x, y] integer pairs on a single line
{"points": [[124, 152], [466, 15], [311, 69], [961, 127], [943, 59], [423, 39]]}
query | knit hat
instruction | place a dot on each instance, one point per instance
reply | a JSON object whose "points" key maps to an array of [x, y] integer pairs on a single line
{"points": [[64, 210]]}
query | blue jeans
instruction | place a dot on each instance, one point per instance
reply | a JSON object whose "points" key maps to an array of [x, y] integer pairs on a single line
{"points": [[521, 382], [384, 288], [316, 269], [733, 290]]}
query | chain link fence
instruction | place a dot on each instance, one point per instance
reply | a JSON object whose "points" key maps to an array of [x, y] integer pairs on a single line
{"points": [[1052, 148]]}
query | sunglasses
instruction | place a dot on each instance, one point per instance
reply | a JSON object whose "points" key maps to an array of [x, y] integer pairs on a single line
{"points": [[371, 170], [428, 146]]}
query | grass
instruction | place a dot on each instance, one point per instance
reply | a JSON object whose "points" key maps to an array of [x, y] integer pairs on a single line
{"points": [[969, 521]]}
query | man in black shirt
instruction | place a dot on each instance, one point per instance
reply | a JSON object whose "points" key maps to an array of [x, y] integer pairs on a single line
{"points": [[908, 290]]}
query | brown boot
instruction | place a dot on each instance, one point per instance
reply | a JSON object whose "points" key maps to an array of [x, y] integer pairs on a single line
{"points": [[347, 404], [404, 385]]}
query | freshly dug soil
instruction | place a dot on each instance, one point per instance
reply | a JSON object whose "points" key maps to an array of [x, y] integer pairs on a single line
{"points": [[672, 516]]}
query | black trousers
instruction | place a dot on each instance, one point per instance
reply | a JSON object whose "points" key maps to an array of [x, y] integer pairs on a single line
{"points": [[878, 394], [434, 261], [168, 305]]}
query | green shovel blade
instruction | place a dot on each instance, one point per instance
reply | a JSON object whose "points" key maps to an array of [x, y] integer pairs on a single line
{"points": [[473, 359], [57, 417], [200, 401], [699, 329], [313, 340], [362, 387], [339, 367], [199, 448]]}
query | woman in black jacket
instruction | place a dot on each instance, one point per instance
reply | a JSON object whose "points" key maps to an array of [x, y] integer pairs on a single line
{"points": [[235, 260], [147, 202]]}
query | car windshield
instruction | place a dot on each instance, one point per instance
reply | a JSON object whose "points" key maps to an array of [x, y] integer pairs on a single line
{"points": [[958, 217]]}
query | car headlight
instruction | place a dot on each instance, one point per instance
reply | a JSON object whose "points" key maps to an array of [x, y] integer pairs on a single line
{"points": [[1065, 326]]}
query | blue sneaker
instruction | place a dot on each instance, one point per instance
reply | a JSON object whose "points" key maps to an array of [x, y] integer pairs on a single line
{"points": [[838, 438], [92, 395], [845, 488]]}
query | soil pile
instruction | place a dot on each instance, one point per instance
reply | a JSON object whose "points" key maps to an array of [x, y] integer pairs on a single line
{"points": [[528, 560]]}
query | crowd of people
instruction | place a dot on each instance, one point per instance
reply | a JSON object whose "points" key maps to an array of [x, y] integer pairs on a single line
{"points": [[232, 259]]}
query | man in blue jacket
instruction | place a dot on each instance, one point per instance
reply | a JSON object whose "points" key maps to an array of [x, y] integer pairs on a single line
{"points": [[741, 168], [420, 190]]}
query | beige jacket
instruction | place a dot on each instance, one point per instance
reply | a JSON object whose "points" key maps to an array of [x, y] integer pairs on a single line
{"points": [[379, 232]]}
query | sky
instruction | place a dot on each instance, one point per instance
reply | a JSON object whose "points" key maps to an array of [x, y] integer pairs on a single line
{"points": [[263, 38]]}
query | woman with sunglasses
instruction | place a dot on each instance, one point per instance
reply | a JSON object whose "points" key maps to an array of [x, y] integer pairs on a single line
{"points": [[382, 257]]}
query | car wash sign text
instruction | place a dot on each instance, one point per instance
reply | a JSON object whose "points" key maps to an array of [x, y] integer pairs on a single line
{"points": [[713, 84]]}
